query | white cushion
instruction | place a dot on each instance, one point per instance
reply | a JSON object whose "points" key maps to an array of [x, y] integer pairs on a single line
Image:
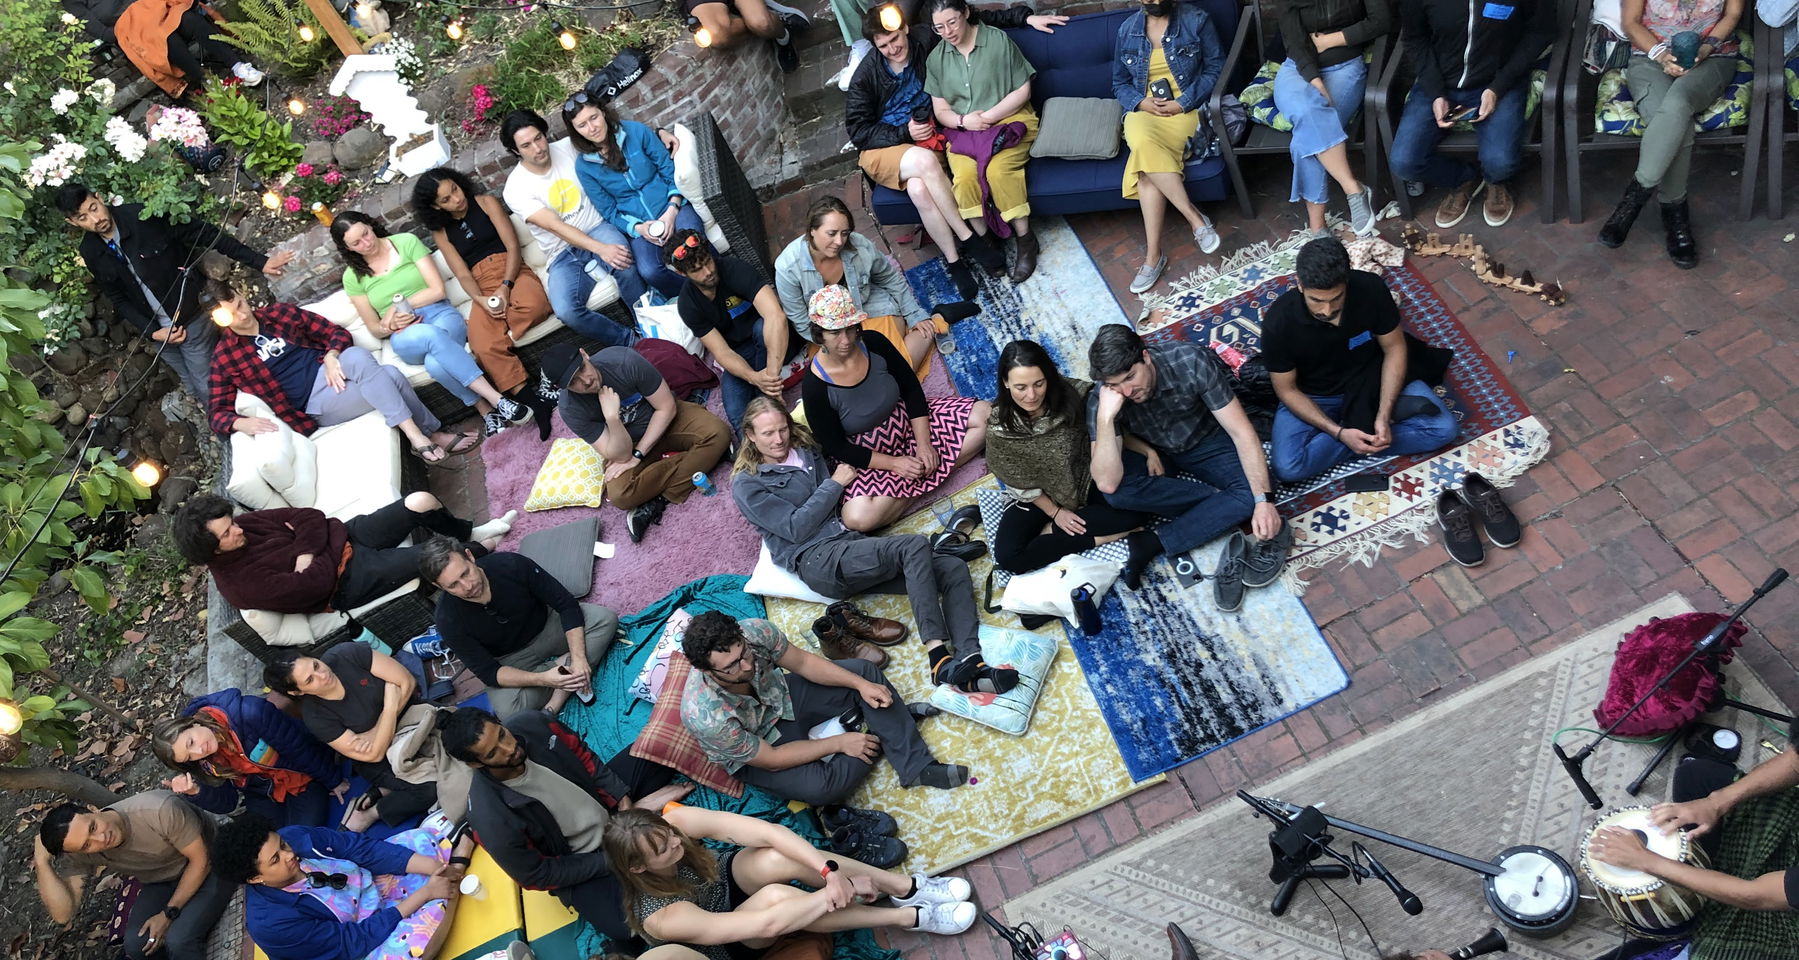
{"points": [[692, 186], [361, 467], [773, 580], [292, 629], [285, 461], [539, 330]]}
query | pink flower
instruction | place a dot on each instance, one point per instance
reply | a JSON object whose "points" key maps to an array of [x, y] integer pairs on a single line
{"points": [[333, 177], [303, 170], [291, 204]]}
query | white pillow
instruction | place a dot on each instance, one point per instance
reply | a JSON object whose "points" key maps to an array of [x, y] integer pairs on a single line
{"points": [[692, 186], [286, 461], [773, 580], [338, 309], [292, 629]]}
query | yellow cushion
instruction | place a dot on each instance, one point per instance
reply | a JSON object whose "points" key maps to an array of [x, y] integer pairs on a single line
{"points": [[573, 475]]}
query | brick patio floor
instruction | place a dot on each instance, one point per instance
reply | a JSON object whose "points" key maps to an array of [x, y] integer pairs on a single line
{"points": [[1672, 398]]}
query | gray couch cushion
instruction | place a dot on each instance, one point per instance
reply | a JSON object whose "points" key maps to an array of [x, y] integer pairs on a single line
{"points": [[566, 553], [1079, 128]]}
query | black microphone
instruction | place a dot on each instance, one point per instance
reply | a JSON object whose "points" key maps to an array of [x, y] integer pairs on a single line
{"points": [[1408, 900], [1579, 777]]}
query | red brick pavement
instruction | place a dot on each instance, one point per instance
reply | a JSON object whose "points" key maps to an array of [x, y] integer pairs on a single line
{"points": [[1673, 402]]}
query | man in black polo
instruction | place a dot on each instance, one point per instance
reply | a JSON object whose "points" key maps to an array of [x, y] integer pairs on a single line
{"points": [[738, 316], [495, 612], [149, 269]]}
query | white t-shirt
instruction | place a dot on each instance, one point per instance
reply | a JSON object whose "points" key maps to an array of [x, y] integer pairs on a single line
{"points": [[559, 189]]}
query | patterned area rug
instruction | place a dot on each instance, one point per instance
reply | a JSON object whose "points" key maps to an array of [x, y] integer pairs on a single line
{"points": [[1499, 437], [1181, 678], [1473, 773], [1062, 767]]}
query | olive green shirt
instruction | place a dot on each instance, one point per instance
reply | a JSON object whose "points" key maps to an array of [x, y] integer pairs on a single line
{"points": [[993, 69]]}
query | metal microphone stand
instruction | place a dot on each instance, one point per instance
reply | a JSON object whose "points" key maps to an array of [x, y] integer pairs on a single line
{"points": [[1299, 839]]}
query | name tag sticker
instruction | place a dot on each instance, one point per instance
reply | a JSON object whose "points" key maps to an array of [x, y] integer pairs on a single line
{"points": [[1497, 11], [1359, 339]]}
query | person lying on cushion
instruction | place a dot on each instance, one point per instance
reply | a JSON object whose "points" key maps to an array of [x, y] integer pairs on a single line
{"points": [[297, 560], [729, 905], [310, 374], [317, 894], [232, 750], [540, 802]]}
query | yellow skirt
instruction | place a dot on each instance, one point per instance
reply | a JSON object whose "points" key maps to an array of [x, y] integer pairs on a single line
{"points": [[1157, 144]]}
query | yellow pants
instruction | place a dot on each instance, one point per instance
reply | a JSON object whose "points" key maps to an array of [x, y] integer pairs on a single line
{"points": [[1005, 175]]}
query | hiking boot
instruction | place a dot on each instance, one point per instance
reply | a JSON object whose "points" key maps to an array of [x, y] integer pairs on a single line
{"points": [[1026, 263], [1361, 212], [971, 674], [1502, 526], [876, 850], [876, 630], [1682, 248], [927, 890], [1147, 275], [1206, 235], [963, 277], [514, 411], [1455, 206], [639, 518], [1498, 206], [947, 919], [1456, 519], [1617, 226], [837, 642], [1227, 579], [1267, 558], [835, 817]]}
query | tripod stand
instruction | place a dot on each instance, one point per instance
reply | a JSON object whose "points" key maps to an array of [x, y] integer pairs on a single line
{"points": [[1301, 837]]}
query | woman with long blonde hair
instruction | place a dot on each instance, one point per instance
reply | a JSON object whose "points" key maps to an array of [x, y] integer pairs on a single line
{"points": [[230, 749]]}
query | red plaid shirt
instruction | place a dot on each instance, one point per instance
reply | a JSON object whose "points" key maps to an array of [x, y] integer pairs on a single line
{"points": [[235, 365]]}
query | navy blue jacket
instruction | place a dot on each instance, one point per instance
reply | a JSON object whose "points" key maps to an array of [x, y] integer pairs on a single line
{"points": [[296, 926], [260, 726]]}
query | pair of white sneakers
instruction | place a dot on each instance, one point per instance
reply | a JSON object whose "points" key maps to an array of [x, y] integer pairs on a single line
{"points": [[942, 903]]}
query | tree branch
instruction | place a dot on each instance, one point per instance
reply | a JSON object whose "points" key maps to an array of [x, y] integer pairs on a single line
{"points": [[65, 782]]}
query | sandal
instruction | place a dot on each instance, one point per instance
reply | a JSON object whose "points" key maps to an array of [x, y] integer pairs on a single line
{"points": [[464, 442], [432, 454]]}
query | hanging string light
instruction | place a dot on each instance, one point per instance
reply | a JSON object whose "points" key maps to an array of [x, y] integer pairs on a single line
{"points": [[453, 27], [891, 18], [564, 36], [296, 106], [307, 35], [147, 473], [272, 200], [11, 720]]}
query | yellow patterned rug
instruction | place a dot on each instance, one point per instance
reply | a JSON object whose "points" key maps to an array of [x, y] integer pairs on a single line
{"points": [[1065, 765]]}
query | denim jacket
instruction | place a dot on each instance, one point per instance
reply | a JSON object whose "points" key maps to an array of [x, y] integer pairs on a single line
{"points": [[792, 507], [641, 191], [874, 283], [1195, 57]]}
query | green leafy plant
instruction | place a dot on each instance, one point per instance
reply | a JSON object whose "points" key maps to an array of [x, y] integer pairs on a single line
{"points": [[268, 145], [269, 33]]}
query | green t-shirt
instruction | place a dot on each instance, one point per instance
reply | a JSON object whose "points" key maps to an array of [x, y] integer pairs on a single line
{"points": [[404, 279], [994, 68]]}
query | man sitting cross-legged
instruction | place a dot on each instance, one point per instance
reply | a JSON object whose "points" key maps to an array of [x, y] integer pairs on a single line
{"points": [[540, 801], [297, 560], [495, 612], [156, 838], [738, 316], [1347, 383], [755, 719], [653, 443], [1155, 395]]}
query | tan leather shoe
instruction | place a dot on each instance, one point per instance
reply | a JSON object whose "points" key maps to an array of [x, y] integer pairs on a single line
{"points": [[1498, 206], [836, 642], [1455, 206]]}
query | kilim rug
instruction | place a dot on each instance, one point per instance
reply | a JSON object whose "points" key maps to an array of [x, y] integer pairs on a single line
{"points": [[1473, 774], [1499, 437], [1063, 766], [1178, 678]]}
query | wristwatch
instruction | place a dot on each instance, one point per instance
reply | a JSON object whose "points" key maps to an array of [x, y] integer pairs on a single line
{"points": [[1269, 497], [172, 912], [506, 283], [636, 454]]}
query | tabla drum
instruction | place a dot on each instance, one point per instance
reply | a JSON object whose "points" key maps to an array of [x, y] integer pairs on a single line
{"points": [[1645, 905]]}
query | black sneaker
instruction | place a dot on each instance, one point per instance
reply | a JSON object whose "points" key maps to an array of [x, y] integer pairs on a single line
{"points": [[492, 423], [640, 517], [954, 543], [1456, 519], [876, 850], [1502, 525], [513, 411], [547, 390], [785, 53], [1267, 558], [838, 816], [1227, 580]]}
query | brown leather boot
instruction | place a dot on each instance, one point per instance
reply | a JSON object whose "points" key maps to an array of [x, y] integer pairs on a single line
{"points": [[876, 630], [1026, 263], [836, 642]]}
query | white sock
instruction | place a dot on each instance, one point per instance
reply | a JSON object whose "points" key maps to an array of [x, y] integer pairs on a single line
{"points": [[497, 527]]}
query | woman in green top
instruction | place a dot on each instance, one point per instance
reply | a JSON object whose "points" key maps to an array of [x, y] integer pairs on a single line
{"points": [[978, 79], [424, 328]]}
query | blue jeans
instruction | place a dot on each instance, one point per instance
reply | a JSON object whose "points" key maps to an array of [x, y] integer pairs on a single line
{"points": [[648, 256], [1501, 139], [737, 394], [570, 285], [439, 340], [1318, 126], [1196, 510], [1300, 450]]}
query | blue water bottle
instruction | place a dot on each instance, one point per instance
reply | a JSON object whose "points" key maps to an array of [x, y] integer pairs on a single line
{"points": [[703, 484]]}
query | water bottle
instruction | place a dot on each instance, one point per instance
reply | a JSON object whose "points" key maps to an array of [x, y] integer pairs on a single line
{"points": [[402, 312], [703, 484]]}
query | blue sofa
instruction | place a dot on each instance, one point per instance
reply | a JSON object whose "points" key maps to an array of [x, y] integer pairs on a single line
{"points": [[1076, 61]]}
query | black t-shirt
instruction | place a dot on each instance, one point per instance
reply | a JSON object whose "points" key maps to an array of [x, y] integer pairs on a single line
{"points": [[364, 693], [474, 236], [524, 595], [733, 314], [1328, 359]]}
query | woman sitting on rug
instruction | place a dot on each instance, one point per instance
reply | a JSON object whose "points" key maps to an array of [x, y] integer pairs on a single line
{"points": [[317, 894], [1165, 62], [1037, 445], [629, 175], [1319, 88], [474, 233], [230, 750], [780, 486], [424, 327], [867, 409], [832, 252], [731, 905]]}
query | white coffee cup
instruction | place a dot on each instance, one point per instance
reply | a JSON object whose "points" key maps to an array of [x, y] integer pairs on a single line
{"points": [[493, 304], [471, 887], [655, 228]]}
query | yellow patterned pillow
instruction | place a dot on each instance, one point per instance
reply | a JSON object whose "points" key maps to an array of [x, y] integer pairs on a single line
{"points": [[573, 475]]}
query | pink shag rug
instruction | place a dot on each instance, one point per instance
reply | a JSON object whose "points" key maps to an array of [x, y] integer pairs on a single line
{"points": [[699, 538]]}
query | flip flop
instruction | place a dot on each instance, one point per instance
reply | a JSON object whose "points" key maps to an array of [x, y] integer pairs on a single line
{"points": [[464, 443], [425, 453]]}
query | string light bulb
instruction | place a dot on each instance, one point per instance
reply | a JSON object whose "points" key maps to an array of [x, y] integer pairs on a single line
{"points": [[564, 36], [271, 199], [296, 106], [702, 38], [307, 35], [11, 720], [147, 473], [365, 12], [453, 27], [891, 18], [221, 316]]}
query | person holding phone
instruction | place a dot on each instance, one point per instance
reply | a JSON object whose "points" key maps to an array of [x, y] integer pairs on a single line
{"points": [[1165, 63], [1474, 62], [1319, 88]]}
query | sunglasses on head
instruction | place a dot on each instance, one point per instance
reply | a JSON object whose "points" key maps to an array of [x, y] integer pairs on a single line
{"points": [[336, 881], [576, 102], [689, 246]]}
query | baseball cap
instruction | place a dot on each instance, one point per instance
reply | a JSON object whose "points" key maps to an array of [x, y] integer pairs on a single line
{"points": [[560, 363]]}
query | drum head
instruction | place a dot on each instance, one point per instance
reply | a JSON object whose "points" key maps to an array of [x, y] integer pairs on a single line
{"points": [[1536, 894], [1630, 882]]}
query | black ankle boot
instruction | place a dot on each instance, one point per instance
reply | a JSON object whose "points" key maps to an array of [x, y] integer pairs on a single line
{"points": [[1682, 248], [1617, 226]]}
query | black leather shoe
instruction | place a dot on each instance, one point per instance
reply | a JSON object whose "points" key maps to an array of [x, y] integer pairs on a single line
{"points": [[964, 519], [953, 544], [1682, 248], [1617, 226]]}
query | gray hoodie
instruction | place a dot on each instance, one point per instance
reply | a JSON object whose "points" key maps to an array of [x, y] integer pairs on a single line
{"points": [[794, 507]]}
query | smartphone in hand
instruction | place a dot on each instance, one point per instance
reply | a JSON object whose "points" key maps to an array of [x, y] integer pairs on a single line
{"points": [[1161, 90]]}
